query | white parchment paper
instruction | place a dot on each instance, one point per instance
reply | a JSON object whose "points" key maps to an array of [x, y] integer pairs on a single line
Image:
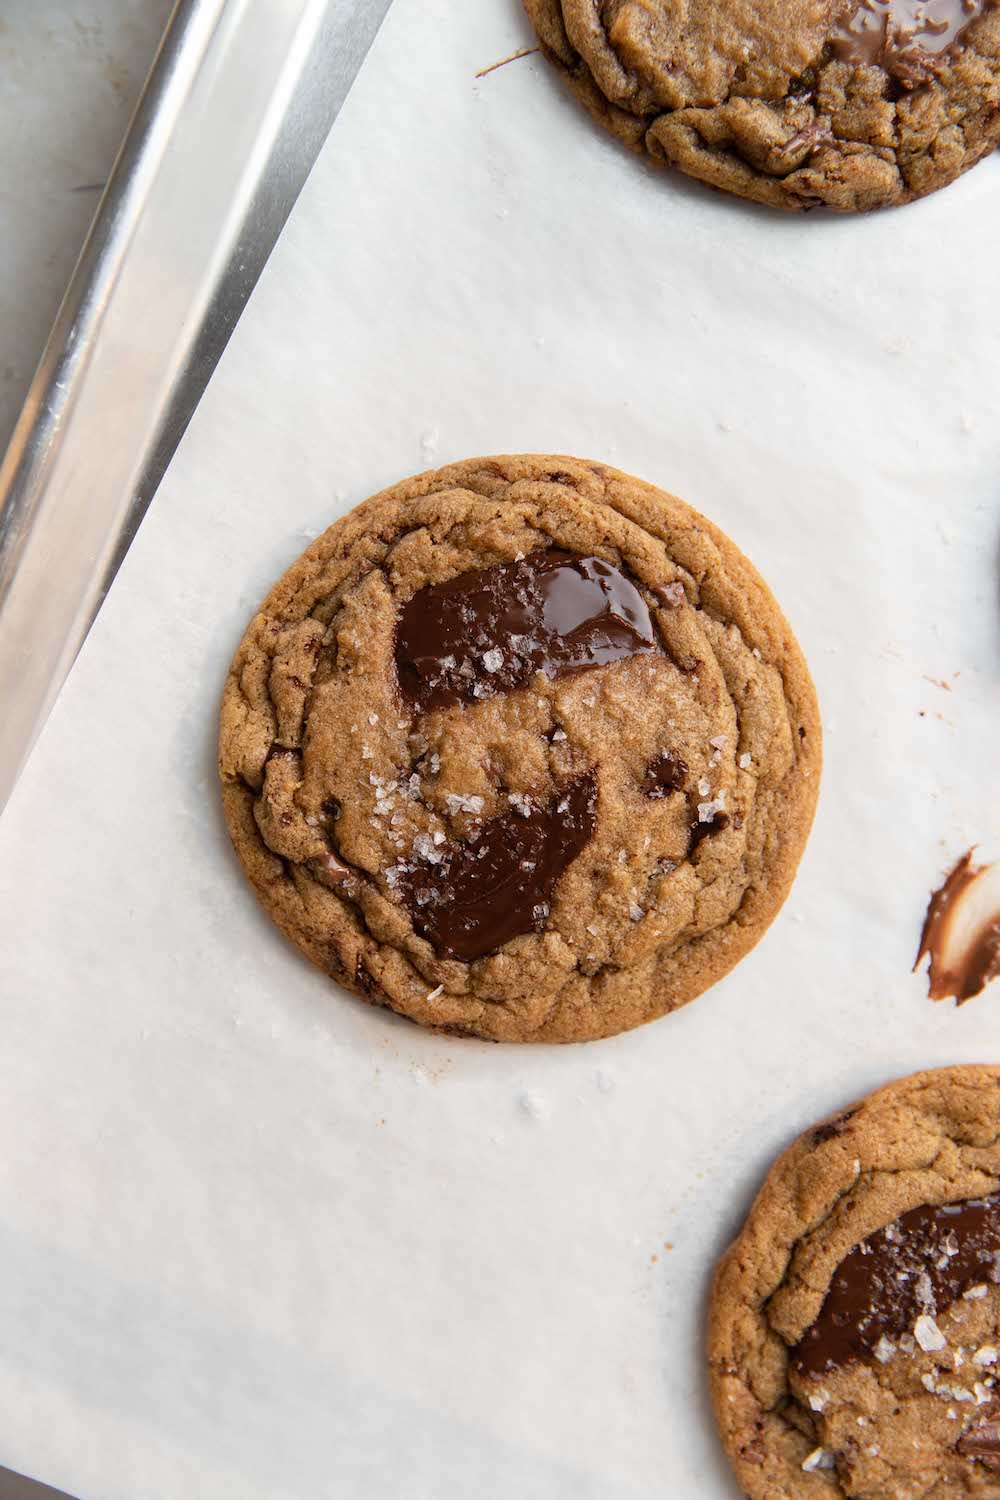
{"points": [[259, 1240]]}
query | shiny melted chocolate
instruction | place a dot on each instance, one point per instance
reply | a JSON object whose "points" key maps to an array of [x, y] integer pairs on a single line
{"points": [[489, 631], [921, 1263], [966, 903], [907, 38], [482, 892]]}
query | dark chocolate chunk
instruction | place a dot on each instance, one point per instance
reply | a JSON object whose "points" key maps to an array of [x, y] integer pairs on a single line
{"points": [[983, 1440], [670, 595], [665, 774], [919, 1264], [833, 1127], [480, 893], [489, 631], [702, 830]]}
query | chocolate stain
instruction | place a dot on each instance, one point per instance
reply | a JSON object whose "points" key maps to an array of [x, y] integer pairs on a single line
{"points": [[921, 1263], [482, 892], [908, 38], [961, 932], [490, 630]]}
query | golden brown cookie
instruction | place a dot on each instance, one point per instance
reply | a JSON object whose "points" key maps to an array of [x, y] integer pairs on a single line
{"points": [[523, 749], [854, 1332], [855, 104]]}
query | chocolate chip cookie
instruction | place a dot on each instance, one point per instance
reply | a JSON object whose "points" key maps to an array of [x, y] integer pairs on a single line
{"points": [[855, 104], [854, 1332], [523, 749]]}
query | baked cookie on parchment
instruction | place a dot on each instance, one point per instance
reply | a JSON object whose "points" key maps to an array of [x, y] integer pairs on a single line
{"points": [[523, 749], [855, 104], [854, 1331]]}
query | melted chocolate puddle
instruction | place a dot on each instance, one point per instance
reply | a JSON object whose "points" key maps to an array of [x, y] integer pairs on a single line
{"points": [[917, 1265], [497, 886], [490, 630], [908, 38], [961, 934]]}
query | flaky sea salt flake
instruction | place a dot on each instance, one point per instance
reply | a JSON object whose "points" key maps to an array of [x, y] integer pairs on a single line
{"points": [[927, 1334], [987, 1355], [458, 802], [885, 1350], [819, 1458]]}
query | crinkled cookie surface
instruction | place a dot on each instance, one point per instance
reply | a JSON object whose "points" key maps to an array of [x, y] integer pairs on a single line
{"points": [[523, 749], [794, 103], [854, 1338]]}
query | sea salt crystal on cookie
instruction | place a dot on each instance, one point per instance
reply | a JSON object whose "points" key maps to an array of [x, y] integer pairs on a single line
{"points": [[927, 1334]]}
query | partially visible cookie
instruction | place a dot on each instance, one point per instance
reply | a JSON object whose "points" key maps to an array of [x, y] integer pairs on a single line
{"points": [[854, 1332], [523, 749], [856, 104]]}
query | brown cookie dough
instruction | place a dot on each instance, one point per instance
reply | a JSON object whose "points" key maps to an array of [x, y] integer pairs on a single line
{"points": [[856, 104], [523, 749], [854, 1332]]}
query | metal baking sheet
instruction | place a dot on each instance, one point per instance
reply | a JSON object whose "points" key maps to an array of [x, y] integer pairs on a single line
{"points": [[239, 100], [259, 1239]]}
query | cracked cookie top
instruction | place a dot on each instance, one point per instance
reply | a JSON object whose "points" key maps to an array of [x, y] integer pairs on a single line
{"points": [[856, 104], [855, 1322], [523, 748]]}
